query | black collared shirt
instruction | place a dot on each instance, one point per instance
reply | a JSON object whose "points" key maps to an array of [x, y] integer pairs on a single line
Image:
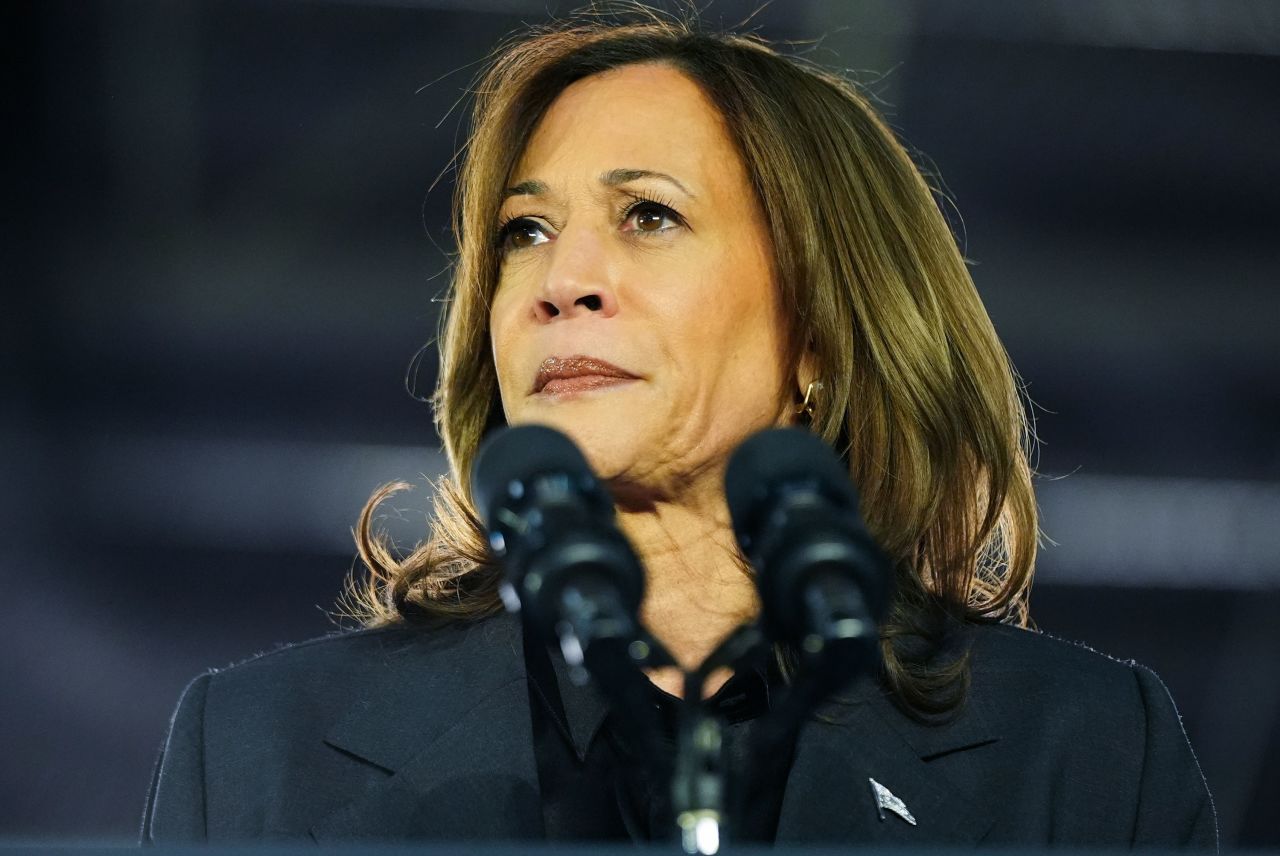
{"points": [[598, 785]]}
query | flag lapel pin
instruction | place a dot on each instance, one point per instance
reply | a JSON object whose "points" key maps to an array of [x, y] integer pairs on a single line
{"points": [[886, 800]]}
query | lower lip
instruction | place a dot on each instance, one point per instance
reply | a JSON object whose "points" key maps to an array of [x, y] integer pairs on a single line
{"points": [[562, 386]]}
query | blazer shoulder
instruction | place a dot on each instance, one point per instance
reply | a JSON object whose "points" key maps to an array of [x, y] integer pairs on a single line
{"points": [[334, 655], [1035, 664], [310, 680], [1061, 697], [1088, 716]]}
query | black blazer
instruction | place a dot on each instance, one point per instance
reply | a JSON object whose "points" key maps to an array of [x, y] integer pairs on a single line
{"points": [[403, 733]]}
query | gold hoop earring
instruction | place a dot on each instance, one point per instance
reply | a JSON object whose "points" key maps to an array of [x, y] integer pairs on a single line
{"points": [[811, 393]]}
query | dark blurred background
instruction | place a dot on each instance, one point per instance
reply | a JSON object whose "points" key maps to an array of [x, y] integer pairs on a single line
{"points": [[220, 254]]}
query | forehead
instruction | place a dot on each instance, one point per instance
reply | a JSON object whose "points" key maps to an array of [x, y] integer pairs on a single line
{"points": [[648, 116]]}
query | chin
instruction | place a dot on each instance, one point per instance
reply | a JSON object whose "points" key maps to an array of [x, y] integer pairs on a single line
{"points": [[609, 450], [607, 438]]}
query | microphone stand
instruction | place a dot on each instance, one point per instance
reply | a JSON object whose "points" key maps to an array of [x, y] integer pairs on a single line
{"points": [[708, 806], [700, 788], [598, 639]]}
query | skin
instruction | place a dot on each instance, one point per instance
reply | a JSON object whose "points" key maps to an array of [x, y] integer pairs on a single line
{"points": [[680, 294]]}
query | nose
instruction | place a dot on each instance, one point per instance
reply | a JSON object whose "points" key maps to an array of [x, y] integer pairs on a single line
{"points": [[578, 280]]}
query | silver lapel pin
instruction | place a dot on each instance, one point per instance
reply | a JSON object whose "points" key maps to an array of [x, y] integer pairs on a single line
{"points": [[886, 800]]}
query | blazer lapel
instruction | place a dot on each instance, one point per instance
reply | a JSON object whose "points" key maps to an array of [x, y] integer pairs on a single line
{"points": [[447, 724], [829, 795], [443, 737]]}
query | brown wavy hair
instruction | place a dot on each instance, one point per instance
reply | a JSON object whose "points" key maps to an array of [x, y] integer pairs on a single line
{"points": [[919, 395]]}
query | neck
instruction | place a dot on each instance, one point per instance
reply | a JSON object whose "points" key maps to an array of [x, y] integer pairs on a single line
{"points": [[697, 592]]}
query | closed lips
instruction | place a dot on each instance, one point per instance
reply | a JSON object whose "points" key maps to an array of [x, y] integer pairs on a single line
{"points": [[563, 368]]}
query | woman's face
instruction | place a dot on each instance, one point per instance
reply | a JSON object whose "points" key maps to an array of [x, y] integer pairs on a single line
{"points": [[636, 308]]}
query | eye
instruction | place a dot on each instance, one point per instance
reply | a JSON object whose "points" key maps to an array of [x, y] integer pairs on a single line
{"points": [[520, 233], [648, 217]]}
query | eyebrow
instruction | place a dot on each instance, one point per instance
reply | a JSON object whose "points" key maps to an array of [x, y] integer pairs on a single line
{"points": [[526, 188], [612, 178]]}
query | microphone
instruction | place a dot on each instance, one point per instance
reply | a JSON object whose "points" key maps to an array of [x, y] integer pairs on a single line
{"points": [[823, 581], [551, 524]]}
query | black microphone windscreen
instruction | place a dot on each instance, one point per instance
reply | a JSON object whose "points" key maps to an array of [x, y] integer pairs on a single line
{"points": [[778, 456], [518, 454]]}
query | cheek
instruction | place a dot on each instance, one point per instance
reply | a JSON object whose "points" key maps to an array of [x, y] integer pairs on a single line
{"points": [[736, 324], [503, 337]]}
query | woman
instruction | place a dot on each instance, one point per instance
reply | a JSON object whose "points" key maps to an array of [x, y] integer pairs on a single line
{"points": [[669, 241]]}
